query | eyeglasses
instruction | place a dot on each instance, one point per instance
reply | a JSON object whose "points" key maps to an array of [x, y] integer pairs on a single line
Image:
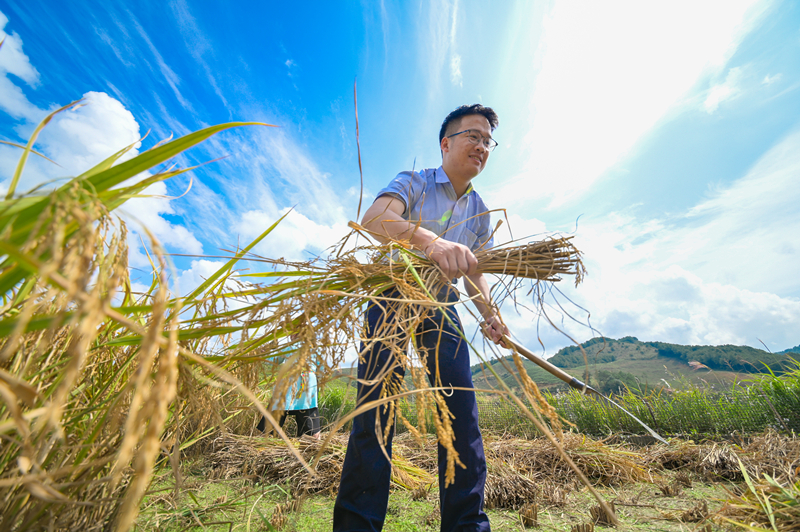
{"points": [[474, 137]]}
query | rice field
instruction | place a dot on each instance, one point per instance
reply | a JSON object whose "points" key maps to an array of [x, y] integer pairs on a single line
{"points": [[255, 484], [115, 404]]}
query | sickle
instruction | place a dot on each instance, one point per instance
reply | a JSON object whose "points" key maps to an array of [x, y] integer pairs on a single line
{"points": [[573, 382]]}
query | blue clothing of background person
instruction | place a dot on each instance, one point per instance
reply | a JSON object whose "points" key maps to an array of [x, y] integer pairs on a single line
{"points": [[440, 213], [301, 403]]}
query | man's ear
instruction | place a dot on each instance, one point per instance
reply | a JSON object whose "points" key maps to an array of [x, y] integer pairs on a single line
{"points": [[445, 144]]}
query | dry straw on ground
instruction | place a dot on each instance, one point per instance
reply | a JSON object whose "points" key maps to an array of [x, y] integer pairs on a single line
{"points": [[523, 474]]}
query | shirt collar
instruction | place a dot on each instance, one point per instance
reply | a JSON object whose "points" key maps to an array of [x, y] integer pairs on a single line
{"points": [[441, 177]]}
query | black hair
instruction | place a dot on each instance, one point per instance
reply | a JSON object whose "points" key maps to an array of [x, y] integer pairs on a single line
{"points": [[466, 110]]}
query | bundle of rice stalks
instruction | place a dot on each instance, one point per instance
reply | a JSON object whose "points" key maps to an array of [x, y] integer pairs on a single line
{"points": [[769, 453], [279, 517], [269, 460], [713, 461], [773, 454], [506, 487], [539, 460], [667, 489]]}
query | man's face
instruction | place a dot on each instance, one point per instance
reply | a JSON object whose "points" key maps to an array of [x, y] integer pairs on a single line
{"points": [[461, 156]]}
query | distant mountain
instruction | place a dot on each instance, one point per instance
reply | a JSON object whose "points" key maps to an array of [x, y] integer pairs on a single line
{"points": [[736, 358], [795, 350], [629, 363]]}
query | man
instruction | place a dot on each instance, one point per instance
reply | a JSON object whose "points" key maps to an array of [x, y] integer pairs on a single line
{"points": [[440, 213]]}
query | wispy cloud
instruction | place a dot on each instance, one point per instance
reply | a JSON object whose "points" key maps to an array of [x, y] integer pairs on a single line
{"points": [[437, 45], [196, 43], [725, 91], [169, 75], [608, 73], [455, 59]]}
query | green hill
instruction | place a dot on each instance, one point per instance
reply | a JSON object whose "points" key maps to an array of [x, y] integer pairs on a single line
{"points": [[792, 350], [483, 378], [614, 364], [628, 362], [743, 359]]}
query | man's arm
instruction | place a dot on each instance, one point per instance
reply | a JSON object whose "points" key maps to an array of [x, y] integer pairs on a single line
{"points": [[384, 218], [492, 327]]}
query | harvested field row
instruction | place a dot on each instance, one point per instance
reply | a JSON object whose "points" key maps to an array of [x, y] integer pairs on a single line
{"points": [[519, 471]]}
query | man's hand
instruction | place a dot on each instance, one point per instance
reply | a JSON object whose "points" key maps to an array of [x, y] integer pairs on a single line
{"points": [[454, 259], [494, 329]]}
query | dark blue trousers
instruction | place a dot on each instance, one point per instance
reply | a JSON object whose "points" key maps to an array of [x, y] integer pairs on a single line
{"points": [[364, 489]]}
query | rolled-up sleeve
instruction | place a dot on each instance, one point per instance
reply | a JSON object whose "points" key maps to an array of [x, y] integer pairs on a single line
{"points": [[407, 187]]}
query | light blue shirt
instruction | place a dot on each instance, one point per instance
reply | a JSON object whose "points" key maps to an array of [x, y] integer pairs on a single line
{"points": [[302, 395], [431, 201]]}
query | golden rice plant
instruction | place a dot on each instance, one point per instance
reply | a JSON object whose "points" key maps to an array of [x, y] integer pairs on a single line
{"points": [[90, 376], [99, 383]]}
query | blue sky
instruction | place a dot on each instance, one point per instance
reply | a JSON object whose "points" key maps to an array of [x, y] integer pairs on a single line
{"points": [[666, 135]]}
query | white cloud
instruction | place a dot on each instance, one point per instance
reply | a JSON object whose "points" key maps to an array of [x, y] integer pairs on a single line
{"points": [[76, 140], [81, 137], [769, 80], [293, 238], [455, 58], [13, 61], [753, 221], [455, 70], [607, 73], [14, 102], [725, 91], [146, 212], [278, 167], [724, 272], [196, 275]]}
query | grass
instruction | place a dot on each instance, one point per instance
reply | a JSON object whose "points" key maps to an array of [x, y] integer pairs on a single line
{"points": [[640, 506], [764, 401]]}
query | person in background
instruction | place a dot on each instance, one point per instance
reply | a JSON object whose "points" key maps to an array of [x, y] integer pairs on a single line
{"points": [[300, 402]]}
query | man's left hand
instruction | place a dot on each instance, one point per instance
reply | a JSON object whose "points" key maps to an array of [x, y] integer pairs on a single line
{"points": [[494, 329]]}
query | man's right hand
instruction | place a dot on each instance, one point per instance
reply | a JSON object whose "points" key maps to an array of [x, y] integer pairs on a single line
{"points": [[384, 219], [454, 259]]}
